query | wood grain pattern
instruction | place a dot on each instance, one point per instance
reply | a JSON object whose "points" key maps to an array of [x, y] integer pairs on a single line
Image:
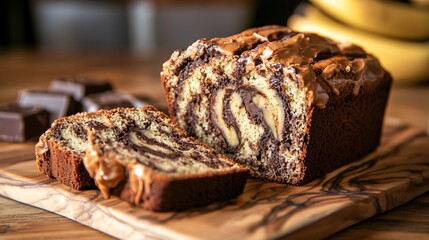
{"points": [[397, 172], [408, 221]]}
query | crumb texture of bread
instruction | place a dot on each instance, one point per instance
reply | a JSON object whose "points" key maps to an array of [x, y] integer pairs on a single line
{"points": [[138, 154], [61, 149], [289, 105]]}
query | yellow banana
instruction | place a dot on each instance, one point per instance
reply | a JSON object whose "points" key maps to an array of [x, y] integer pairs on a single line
{"points": [[408, 61], [420, 3], [389, 18]]}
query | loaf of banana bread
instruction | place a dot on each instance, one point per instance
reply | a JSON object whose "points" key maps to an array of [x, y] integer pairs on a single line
{"points": [[291, 106]]}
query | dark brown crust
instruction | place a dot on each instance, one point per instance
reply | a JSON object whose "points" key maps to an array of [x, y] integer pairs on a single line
{"points": [[357, 122], [169, 194], [64, 166]]}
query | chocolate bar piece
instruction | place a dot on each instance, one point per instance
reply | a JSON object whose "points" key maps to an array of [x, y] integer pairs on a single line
{"points": [[18, 124], [80, 87], [107, 100], [56, 103]]}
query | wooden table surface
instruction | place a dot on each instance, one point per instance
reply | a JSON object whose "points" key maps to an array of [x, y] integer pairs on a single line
{"points": [[140, 75]]}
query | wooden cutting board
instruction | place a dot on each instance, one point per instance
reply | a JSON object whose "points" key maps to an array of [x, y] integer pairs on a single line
{"points": [[397, 172]]}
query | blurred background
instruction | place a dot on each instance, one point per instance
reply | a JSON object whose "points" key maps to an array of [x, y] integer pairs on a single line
{"points": [[139, 26], [128, 40], [125, 41], [387, 29]]}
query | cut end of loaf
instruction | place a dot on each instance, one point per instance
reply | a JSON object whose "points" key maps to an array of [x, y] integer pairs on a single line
{"points": [[252, 96], [259, 120]]}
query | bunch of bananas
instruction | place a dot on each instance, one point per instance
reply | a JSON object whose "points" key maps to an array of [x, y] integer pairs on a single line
{"points": [[394, 31]]}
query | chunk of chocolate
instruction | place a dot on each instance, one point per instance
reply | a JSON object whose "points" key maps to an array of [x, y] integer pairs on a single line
{"points": [[80, 87], [18, 124], [56, 103], [107, 100]]}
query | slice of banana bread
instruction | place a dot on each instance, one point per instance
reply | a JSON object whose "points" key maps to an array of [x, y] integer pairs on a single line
{"points": [[291, 106], [138, 154], [61, 149]]}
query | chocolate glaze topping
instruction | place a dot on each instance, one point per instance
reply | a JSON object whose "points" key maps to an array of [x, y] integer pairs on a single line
{"points": [[249, 39], [309, 55]]}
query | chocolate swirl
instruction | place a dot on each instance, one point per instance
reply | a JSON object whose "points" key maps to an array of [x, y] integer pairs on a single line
{"points": [[142, 142]]}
